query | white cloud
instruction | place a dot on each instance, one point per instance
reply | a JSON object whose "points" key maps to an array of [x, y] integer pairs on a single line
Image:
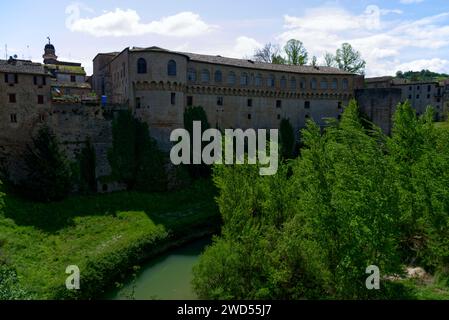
{"points": [[244, 47], [382, 42], [436, 65], [410, 1], [119, 23]]}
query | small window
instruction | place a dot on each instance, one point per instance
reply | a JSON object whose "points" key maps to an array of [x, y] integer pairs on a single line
{"points": [[171, 68], [417, 96], [141, 66], [138, 103], [173, 98], [231, 78], [219, 101], [323, 84], [307, 105], [271, 81], [302, 83], [279, 117], [189, 101], [410, 88], [345, 84], [249, 103], [40, 99], [244, 79], [429, 88], [218, 76], [339, 106], [293, 83], [283, 83], [13, 118], [258, 81], [334, 84], [418, 88], [249, 116], [307, 116], [428, 96], [205, 76], [12, 98], [278, 104], [72, 78], [410, 97], [313, 84], [191, 75], [11, 78]]}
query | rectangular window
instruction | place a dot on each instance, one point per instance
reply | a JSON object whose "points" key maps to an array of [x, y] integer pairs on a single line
{"points": [[249, 103], [279, 117], [339, 105], [417, 96], [13, 118], [11, 78], [12, 98], [173, 98], [249, 116], [40, 99], [307, 105], [73, 78], [219, 101], [189, 101], [278, 104], [410, 97], [428, 96], [138, 103], [429, 87]]}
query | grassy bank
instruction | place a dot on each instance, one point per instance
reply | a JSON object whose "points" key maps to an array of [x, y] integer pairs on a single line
{"points": [[104, 235]]}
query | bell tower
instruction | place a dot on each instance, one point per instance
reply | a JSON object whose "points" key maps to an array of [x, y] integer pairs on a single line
{"points": [[50, 56]]}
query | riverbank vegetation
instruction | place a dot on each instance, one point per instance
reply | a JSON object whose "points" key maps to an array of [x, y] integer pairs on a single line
{"points": [[353, 198], [104, 235]]}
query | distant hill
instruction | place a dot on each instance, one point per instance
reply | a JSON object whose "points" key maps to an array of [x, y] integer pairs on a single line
{"points": [[423, 75]]}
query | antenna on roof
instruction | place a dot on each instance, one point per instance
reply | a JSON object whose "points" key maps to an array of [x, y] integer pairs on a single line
{"points": [[49, 42]]}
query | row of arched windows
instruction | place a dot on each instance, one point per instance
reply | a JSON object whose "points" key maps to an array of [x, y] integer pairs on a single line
{"points": [[143, 69], [292, 84], [205, 77]]}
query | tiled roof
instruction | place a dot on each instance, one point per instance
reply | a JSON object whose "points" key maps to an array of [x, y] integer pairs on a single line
{"points": [[379, 79], [243, 63], [22, 66]]}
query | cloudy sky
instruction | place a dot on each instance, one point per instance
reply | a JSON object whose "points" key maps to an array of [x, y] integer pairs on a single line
{"points": [[391, 35]]}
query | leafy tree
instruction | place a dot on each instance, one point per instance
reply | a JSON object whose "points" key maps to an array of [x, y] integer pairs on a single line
{"points": [[296, 53], [49, 176], [191, 115], [349, 59], [270, 53], [287, 139], [314, 61], [134, 157], [87, 168]]}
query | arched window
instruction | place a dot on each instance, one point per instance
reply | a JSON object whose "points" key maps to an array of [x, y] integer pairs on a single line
{"points": [[171, 68], [302, 83], [293, 83], [218, 76], [313, 84], [283, 83], [258, 81], [334, 84], [231, 78], [191, 75], [271, 81], [345, 84], [205, 76], [244, 79], [324, 84], [141, 66]]}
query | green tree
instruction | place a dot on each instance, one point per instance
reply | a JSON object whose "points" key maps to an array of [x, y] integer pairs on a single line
{"points": [[329, 60], [349, 59], [296, 52], [191, 115], [287, 139], [87, 168], [49, 176], [134, 157]]}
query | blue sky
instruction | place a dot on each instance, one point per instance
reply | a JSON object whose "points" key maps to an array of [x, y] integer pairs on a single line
{"points": [[391, 35]]}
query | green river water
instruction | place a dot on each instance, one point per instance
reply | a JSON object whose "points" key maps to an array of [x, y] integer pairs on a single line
{"points": [[167, 277]]}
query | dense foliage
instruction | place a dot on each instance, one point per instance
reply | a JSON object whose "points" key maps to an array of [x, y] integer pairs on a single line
{"points": [[49, 175], [192, 114], [135, 158], [287, 139], [354, 198], [423, 75]]}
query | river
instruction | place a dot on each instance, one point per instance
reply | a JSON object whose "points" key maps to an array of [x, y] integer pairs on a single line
{"points": [[167, 277]]}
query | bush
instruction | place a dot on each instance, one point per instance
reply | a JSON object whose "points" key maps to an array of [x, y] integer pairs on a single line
{"points": [[287, 139]]}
